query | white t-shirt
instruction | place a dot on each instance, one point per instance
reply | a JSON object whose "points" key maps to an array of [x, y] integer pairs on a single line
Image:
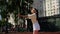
{"points": [[34, 21], [32, 17]]}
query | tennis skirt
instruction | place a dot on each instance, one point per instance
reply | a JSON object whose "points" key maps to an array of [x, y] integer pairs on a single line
{"points": [[36, 26]]}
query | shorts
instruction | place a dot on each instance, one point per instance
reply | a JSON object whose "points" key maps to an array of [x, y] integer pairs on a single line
{"points": [[36, 26]]}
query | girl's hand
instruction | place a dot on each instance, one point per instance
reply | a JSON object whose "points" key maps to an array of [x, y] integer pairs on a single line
{"points": [[24, 16]]}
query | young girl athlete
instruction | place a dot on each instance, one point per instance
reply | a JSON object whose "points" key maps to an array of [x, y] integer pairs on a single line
{"points": [[33, 17]]}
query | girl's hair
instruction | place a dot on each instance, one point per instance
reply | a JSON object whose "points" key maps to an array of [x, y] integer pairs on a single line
{"points": [[36, 13], [35, 10]]}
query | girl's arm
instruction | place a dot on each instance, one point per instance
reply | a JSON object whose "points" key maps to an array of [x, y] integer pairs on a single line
{"points": [[25, 16]]}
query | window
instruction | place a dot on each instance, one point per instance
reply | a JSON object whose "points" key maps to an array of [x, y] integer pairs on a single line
{"points": [[47, 1], [57, 8], [48, 13], [51, 3], [58, 5], [48, 10], [48, 7], [54, 12], [54, 6], [48, 4], [51, 12]]}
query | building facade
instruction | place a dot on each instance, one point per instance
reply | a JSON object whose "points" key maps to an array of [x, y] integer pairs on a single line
{"points": [[52, 7], [47, 7]]}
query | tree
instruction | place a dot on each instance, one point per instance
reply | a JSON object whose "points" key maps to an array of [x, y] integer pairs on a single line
{"points": [[15, 7]]}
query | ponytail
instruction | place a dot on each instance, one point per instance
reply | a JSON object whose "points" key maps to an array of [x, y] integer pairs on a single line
{"points": [[36, 13]]}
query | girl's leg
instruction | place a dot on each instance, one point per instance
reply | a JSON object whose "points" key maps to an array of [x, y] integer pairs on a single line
{"points": [[35, 32], [36, 28]]}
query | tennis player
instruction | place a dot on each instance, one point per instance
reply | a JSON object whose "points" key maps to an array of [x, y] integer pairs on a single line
{"points": [[33, 17]]}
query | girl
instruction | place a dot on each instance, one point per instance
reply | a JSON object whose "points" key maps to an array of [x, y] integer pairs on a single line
{"points": [[34, 20]]}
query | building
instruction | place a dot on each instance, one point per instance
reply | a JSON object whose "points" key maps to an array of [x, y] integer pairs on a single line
{"points": [[47, 7], [52, 7]]}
